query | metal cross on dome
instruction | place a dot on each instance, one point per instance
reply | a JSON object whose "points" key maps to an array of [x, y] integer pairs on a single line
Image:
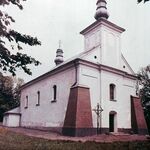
{"points": [[60, 44], [98, 110]]}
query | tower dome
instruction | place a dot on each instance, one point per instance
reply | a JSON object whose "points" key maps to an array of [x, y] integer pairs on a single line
{"points": [[101, 11], [59, 56]]}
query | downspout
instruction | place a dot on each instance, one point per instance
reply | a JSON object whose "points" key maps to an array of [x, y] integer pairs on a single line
{"points": [[76, 73], [100, 99]]}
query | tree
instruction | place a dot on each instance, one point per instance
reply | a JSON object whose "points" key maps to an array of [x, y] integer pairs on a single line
{"points": [[9, 93], [142, 0], [16, 91], [9, 61], [144, 92]]}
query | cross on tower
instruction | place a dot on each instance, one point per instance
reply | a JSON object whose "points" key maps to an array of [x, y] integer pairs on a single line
{"points": [[60, 44], [98, 110]]}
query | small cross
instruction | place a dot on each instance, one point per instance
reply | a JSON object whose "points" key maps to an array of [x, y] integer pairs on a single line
{"points": [[98, 110], [60, 44]]}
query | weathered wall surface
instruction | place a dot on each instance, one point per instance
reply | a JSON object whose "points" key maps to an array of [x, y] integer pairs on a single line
{"points": [[98, 82], [48, 113], [11, 120]]}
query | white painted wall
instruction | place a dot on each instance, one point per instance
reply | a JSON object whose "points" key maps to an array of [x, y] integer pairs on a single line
{"points": [[124, 89], [11, 120], [99, 82], [47, 114], [93, 55], [111, 47], [109, 42], [92, 39]]}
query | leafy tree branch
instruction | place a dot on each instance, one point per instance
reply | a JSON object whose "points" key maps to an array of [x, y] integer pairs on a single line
{"points": [[9, 62]]}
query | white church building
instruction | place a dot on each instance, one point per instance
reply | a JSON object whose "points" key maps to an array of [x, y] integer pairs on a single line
{"points": [[92, 92]]}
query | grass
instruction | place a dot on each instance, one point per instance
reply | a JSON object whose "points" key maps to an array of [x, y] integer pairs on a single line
{"points": [[14, 141]]}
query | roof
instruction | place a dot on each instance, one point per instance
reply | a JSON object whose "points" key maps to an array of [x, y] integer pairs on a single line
{"points": [[56, 68], [70, 63], [104, 22], [15, 111], [125, 61]]}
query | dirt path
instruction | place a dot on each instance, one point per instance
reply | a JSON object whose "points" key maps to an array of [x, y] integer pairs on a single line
{"points": [[96, 138]]}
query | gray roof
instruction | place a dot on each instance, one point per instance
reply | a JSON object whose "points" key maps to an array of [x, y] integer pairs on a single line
{"points": [[14, 111]]}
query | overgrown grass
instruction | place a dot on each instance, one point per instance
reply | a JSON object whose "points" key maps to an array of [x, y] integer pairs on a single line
{"points": [[14, 141]]}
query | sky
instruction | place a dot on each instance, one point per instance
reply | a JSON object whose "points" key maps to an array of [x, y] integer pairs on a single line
{"points": [[54, 20]]}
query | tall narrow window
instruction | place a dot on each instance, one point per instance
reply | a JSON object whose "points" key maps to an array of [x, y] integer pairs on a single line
{"points": [[112, 90], [26, 102], [38, 99], [54, 93]]}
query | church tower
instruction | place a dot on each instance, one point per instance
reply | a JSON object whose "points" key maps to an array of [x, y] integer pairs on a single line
{"points": [[104, 37]]}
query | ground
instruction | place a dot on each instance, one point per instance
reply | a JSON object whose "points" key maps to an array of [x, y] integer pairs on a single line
{"points": [[27, 139]]}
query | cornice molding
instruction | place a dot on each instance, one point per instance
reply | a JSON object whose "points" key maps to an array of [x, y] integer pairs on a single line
{"points": [[102, 22]]}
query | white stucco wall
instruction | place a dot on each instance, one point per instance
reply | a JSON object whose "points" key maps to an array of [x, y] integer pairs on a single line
{"points": [[47, 114], [111, 47], [11, 120], [107, 42], [124, 89], [98, 82]]}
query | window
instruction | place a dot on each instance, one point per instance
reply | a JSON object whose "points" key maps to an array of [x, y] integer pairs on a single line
{"points": [[38, 99], [112, 90], [54, 93], [26, 102]]}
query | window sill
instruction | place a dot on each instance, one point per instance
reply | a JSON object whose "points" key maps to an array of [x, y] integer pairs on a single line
{"points": [[53, 101], [37, 104], [114, 100]]}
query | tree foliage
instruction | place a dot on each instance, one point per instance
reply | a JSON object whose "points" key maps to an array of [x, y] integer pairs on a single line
{"points": [[144, 92], [8, 60], [9, 93], [142, 0]]}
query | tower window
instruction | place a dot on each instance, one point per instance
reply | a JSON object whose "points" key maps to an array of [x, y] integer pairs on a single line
{"points": [[54, 93], [38, 99], [112, 90], [26, 102]]}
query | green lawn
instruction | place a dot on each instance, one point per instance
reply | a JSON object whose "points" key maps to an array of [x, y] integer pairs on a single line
{"points": [[14, 141]]}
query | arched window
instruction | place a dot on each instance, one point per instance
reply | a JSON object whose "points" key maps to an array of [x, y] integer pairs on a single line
{"points": [[54, 93], [26, 102], [112, 90], [38, 99]]}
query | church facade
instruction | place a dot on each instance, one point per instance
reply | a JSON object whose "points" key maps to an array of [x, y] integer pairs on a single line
{"points": [[93, 92]]}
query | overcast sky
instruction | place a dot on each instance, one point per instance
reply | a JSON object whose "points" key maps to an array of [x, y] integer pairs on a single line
{"points": [[54, 20]]}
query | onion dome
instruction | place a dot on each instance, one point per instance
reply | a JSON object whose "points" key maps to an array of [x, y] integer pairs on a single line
{"points": [[101, 11], [59, 57]]}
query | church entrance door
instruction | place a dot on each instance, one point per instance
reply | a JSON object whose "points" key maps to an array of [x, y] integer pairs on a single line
{"points": [[112, 122]]}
